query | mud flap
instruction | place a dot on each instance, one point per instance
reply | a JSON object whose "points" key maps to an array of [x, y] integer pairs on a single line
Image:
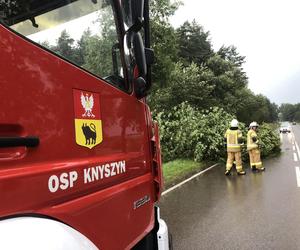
{"points": [[158, 238], [162, 233]]}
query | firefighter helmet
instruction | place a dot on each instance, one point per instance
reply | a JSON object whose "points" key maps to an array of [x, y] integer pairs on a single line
{"points": [[234, 123], [253, 124]]}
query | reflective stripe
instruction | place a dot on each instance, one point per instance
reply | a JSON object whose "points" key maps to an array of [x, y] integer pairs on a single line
{"points": [[232, 140], [234, 150], [239, 168], [256, 163], [252, 146]]}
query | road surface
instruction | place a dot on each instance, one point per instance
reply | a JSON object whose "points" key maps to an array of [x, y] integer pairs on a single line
{"points": [[255, 211]]}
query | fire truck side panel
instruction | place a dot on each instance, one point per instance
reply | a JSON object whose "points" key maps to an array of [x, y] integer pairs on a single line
{"points": [[106, 192]]}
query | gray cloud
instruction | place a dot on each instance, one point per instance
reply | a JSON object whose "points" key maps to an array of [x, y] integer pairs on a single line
{"points": [[288, 91]]}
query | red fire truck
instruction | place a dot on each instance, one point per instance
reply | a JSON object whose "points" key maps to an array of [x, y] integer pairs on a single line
{"points": [[80, 164]]}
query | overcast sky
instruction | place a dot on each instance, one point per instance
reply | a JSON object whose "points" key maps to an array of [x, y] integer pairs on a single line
{"points": [[267, 32]]}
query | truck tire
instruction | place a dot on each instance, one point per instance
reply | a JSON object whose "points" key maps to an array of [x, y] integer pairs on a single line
{"points": [[149, 242], [170, 241]]}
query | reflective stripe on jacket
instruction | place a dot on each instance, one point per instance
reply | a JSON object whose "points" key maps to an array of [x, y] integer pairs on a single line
{"points": [[250, 143], [232, 137]]}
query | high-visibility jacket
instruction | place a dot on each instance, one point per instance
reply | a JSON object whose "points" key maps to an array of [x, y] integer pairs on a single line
{"points": [[232, 139], [252, 141]]}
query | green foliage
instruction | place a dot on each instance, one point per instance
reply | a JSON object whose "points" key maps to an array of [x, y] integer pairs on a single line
{"points": [[82, 47], [187, 69], [210, 140], [164, 44], [230, 53], [218, 65], [97, 57], [269, 140], [97, 49], [189, 133], [65, 46], [191, 84], [92, 52], [228, 81], [290, 112], [194, 44], [255, 108], [162, 10], [163, 41], [217, 84], [178, 131]]}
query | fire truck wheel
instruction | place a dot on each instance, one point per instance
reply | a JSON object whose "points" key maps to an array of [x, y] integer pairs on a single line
{"points": [[147, 243], [36, 233]]}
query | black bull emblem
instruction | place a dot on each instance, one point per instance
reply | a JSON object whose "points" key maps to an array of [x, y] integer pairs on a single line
{"points": [[89, 133]]}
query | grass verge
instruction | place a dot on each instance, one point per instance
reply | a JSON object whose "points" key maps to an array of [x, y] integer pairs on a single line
{"points": [[180, 169]]}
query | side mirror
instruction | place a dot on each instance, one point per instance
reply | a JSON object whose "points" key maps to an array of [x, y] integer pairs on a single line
{"points": [[137, 10], [136, 15], [114, 51], [149, 56], [139, 53], [140, 87]]}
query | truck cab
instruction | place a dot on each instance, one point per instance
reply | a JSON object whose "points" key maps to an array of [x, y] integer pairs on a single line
{"points": [[80, 164]]}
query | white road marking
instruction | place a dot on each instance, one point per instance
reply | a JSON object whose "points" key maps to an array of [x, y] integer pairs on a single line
{"points": [[290, 137], [298, 176], [297, 147], [294, 148], [294, 138], [297, 168], [187, 180], [295, 156]]}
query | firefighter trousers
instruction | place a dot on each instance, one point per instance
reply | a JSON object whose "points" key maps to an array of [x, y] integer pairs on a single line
{"points": [[255, 161], [237, 156]]}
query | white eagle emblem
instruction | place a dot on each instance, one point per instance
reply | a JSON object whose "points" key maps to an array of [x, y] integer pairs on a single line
{"points": [[88, 104]]}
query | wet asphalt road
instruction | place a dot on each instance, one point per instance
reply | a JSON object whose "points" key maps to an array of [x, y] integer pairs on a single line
{"points": [[255, 211]]}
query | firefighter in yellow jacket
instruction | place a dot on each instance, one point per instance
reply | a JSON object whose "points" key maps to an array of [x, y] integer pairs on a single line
{"points": [[253, 148], [233, 139]]}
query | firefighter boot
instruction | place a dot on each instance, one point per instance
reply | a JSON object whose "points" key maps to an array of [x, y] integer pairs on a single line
{"points": [[242, 172], [253, 168], [227, 172]]}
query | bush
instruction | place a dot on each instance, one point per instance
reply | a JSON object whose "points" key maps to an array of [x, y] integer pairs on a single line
{"points": [[210, 137], [186, 132], [178, 131], [269, 140]]}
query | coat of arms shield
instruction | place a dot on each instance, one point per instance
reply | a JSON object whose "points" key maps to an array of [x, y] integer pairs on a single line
{"points": [[88, 124]]}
